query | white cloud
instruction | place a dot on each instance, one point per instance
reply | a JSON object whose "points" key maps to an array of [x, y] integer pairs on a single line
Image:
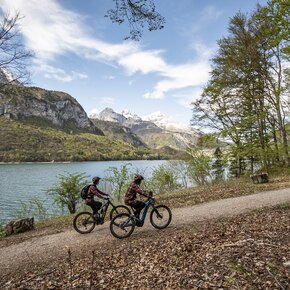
{"points": [[94, 113], [180, 77], [131, 82], [52, 72], [186, 97], [52, 31], [208, 14], [143, 61], [110, 77], [211, 13], [107, 101]]}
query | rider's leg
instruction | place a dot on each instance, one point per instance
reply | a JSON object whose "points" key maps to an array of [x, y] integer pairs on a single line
{"points": [[95, 205], [138, 206]]}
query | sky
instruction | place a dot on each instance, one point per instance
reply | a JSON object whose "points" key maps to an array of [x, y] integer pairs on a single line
{"points": [[79, 51]]}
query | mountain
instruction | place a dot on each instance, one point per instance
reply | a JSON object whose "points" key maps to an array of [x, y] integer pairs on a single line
{"points": [[134, 122], [109, 115], [41, 125], [120, 132], [166, 123], [38, 105], [156, 131], [7, 78]]}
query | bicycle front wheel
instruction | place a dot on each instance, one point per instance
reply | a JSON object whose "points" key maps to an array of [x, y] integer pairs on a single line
{"points": [[160, 216], [122, 226], [84, 222], [119, 209]]}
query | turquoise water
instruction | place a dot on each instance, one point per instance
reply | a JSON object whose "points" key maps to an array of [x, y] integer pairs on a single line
{"points": [[20, 182]]}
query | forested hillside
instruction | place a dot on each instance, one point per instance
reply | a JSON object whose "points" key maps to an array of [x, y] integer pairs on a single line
{"points": [[26, 142]]}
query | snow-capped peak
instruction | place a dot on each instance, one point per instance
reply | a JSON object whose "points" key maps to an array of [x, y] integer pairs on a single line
{"points": [[165, 122], [127, 114]]}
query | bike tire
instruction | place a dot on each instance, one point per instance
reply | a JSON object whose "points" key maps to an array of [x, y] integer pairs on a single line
{"points": [[122, 232], [160, 217], [84, 222], [119, 209]]}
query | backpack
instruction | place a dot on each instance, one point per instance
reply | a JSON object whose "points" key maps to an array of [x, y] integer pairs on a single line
{"points": [[84, 191]]}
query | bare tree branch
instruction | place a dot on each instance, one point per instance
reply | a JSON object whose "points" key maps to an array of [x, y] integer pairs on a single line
{"points": [[137, 13], [14, 56]]}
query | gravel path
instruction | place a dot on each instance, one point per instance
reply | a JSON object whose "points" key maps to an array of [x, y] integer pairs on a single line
{"points": [[46, 249]]}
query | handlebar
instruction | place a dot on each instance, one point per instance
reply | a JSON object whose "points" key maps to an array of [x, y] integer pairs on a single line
{"points": [[149, 193]]}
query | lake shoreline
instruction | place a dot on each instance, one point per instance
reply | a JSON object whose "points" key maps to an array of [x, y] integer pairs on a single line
{"points": [[37, 162], [27, 180], [75, 161]]}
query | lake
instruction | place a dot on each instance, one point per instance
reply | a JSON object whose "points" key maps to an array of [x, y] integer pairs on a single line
{"points": [[21, 182]]}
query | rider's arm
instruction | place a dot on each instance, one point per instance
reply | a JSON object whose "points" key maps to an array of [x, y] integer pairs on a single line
{"points": [[94, 190], [140, 191]]}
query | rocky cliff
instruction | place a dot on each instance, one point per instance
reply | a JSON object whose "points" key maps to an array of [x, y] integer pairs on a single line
{"points": [[61, 109]]}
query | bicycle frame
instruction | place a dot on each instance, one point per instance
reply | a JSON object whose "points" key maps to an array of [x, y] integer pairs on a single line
{"points": [[148, 203], [104, 208]]}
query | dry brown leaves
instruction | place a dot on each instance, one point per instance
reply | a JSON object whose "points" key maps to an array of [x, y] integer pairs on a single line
{"points": [[251, 251]]}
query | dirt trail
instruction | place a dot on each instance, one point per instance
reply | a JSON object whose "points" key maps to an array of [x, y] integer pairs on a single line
{"points": [[49, 248]]}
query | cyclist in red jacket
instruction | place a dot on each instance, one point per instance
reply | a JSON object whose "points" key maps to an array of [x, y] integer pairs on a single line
{"points": [[131, 194]]}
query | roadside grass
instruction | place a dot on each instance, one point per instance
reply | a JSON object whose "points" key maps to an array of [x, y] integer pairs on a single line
{"points": [[231, 188], [59, 222]]}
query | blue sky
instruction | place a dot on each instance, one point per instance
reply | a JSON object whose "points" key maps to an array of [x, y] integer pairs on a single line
{"points": [[79, 51]]}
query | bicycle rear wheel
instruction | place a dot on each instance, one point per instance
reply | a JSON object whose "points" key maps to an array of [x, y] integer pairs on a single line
{"points": [[122, 226], [160, 216], [84, 222], [119, 209]]}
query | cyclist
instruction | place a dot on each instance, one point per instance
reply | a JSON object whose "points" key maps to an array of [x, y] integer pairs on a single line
{"points": [[131, 194], [92, 192]]}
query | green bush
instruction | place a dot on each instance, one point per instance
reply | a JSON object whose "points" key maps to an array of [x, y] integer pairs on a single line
{"points": [[67, 192]]}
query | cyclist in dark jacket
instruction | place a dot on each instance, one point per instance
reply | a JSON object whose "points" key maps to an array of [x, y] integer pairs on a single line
{"points": [[92, 192], [131, 194]]}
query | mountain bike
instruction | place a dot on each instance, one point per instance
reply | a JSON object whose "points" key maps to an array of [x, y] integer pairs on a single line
{"points": [[123, 224], [84, 222]]}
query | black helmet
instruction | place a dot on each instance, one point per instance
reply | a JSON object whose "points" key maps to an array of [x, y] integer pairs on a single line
{"points": [[95, 179], [138, 178]]}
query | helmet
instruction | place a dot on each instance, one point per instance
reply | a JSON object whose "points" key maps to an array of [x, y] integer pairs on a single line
{"points": [[95, 179], [138, 178]]}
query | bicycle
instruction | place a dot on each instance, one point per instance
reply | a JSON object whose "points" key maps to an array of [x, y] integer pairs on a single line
{"points": [[123, 224], [84, 222]]}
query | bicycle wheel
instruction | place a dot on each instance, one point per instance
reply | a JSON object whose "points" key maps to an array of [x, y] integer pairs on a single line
{"points": [[84, 222], [119, 209], [160, 216], [122, 226]]}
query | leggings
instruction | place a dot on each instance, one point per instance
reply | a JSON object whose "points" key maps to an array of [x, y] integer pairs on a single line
{"points": [[138, 205], [95, 205]]}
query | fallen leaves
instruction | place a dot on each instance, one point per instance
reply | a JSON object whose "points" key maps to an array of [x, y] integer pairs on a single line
{"points": [[246, 252]]}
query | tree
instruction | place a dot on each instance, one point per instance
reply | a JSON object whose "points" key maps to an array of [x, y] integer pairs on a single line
{"points": [[218, 165], [137, 13], [236, 100], [67, 192], [274, 23], [163, 179], [199, 165], [180, 169], [119, 178], [13, 56]]}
